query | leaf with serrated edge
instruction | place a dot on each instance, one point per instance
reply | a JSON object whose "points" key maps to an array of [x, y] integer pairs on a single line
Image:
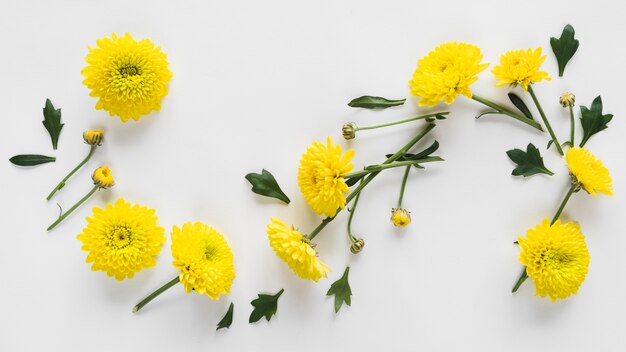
{"points": [[52, 122], [564, 48], [592, 119], [265, 306], [265, 184], [528, 162], [341, 290], [31, 159], [227, 320], [371, 102]]}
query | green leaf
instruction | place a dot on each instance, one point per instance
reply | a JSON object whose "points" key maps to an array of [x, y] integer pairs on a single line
{"points": [[353, 180], [264, 306], [52, 122], [520, 105], [370, 102], [341, 290], [489, 112], [31, 159], [564, 48], [265, 184], [592, 119], [421, 155], [227, 320], [529, 162]]}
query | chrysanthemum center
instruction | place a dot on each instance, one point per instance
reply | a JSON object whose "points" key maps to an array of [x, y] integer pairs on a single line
{"points": [[120, 237], [127, 70], [210, 252]]}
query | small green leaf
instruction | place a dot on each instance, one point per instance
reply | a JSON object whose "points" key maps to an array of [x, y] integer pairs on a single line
{"points": [[353, 180], [592, 119], [529, 162], [370, 102], [421, 155], [520, 105], [31, 159], [549, 144], [564, 48], [264, 306], [440, 117], [489, 112], [341, 290], [265, 184], [227, 320], [52, 122]]}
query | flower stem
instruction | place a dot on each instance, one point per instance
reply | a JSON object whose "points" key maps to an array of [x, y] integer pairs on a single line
{"points": [[64, 215], [350, 235], [406, 176], [421, 117], [371, 176], [574, 188], [545, 120], [61, 184], [506, 111], [381, 167], [155, 294], [573, 123]]}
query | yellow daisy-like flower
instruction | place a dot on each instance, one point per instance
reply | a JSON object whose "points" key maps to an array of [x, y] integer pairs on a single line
{"points": [[204, 259], [122, 239], [102, 177], [446, 72], [294, 248], [589, 171], [400, 217], [520, 67], [93, 137], [556, 258], [320, 176], [129, 77]]}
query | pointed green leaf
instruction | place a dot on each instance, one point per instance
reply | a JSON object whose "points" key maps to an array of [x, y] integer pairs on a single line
{"points": [[370, 102], [265, 184], [341, 290], [52, 122], [264, 306], [489, 112], [227, 320], [592, 119], [564, 48], [31, 159], [529, 162], [549, 144], [421, 155], [353, 180], [520, 105]]}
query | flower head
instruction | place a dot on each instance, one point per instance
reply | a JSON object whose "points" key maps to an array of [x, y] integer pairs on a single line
{"points": [[556, 258], [320, 177], [129, 77], [357, 246], [102, 177], [589, 172], [567, 99], [446, 72], [348, 130], [520, 67], [204, 259], [93, 137], [122, 239], [400, 217], [295, 249]]}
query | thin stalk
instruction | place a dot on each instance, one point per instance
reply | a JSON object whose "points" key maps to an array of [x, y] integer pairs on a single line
{"points": [[421, 117], [64, 215], [350, 235], [155, 294], [406, 176], [381, 167], [506, 111], [573, 123], [545, 120], [61, 184]]}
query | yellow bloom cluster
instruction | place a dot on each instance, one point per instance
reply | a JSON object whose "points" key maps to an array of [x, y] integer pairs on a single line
{"points": [[589, 171], [520, 67]]}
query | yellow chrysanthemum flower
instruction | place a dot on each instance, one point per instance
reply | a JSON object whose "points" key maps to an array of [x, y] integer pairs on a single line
{"points": [[294, 248], [446, 72], [520, 67], [102, 177], [93, 137], [589, 171], [204, 259], [556, 258], [129, 77], [320, 176], [400, 217], [122, 239]]}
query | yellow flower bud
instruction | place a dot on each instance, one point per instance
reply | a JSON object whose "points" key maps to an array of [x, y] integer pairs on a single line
{"points": [[102, 177], [400, 217], [567, 99], [349, 130], [357, 246], [93, 137]]}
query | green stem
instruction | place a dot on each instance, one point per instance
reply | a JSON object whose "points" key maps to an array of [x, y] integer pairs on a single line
{"points": [[545, 120], [381, 167], [421, 117], [155, 294], [371, 176], [506, 111], [61, 184], [523, 276], [350, 235], [573, 123], [64, 215], [406, 176]]}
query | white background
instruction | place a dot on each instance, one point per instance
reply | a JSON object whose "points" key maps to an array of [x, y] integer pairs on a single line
{"points": [[256, 82]]}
